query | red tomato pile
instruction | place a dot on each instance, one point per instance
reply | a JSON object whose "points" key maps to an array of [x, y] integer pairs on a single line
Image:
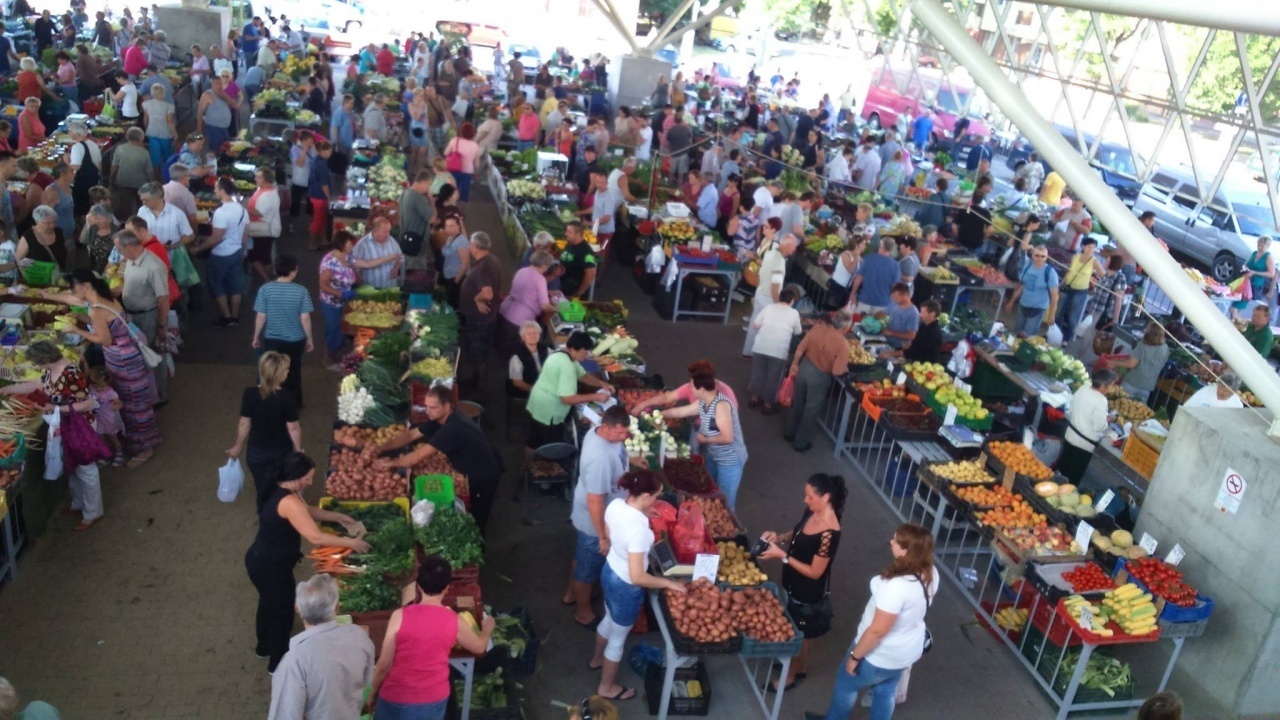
{"points": [[1163, 580], [1088, 578]]}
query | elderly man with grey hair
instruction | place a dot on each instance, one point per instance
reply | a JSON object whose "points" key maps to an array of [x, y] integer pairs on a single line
{"points": [[178, 194], [165, 221], [35, 710], [620, 179], [130, 169], [328, 665], [773, 274], [1221, 394], [375, 119], [85, 162], [478, 303]]}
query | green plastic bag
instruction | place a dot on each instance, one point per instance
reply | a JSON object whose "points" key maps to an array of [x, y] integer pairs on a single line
{"points": [[109, 111], [184, 271]]}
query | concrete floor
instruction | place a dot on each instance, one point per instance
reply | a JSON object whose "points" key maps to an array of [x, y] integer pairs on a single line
{"points": [[150, 615]]}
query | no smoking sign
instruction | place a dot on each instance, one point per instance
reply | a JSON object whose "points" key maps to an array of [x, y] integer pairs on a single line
{"points": [[1231, 492]]}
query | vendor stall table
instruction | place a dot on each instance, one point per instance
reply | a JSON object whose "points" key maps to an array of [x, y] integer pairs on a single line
{"points": [[685, 270], [1034, 385], [466, 666], [756, 668]]}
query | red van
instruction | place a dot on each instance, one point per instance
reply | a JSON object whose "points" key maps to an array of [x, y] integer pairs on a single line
{"points": [[894, 90]]}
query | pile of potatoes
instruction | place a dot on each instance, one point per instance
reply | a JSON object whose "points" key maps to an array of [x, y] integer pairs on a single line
{"points": [[702, 613], [719, 521], [757, 614], [358, 437], [356, 476]]}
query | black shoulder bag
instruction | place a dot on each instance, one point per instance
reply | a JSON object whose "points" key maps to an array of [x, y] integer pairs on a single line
{"points": [[928, 636]]}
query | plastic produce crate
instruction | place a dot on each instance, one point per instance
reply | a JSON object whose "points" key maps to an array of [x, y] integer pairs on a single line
{"points": [[19, 453], [759, 648], [442, 498], [1140, 456], [39, 273], [684, 645], [739, 528], [699, 706], [572, 311], [1173, 613]]}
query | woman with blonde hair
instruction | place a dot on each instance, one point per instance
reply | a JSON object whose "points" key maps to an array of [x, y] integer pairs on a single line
{"points": [[269, 425], [892, 634], [1144, 363]]}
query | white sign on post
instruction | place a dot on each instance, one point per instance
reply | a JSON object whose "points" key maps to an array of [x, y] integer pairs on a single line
{"points": [[1175, 555], [1148, 543], [706, 566], [1105, 500], [1028, 437], [1084, 532], [1231, 492], [951, 415], [902, 379]]}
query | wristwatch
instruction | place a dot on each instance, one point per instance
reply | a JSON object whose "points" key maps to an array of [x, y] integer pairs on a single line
{"points": [[854, 658], [786, 559]]}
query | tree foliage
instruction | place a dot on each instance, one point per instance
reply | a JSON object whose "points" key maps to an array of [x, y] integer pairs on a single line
{"points": [[1221, 78], [1075, 30], [659, 10]]}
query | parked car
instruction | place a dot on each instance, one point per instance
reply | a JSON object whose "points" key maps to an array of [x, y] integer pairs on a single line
{"points": [[1221, 234], [886, 101], [1113, 161], [530, 58]]}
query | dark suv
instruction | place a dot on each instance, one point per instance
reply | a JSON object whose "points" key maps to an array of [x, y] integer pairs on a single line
{"points": [[1114, 162]]}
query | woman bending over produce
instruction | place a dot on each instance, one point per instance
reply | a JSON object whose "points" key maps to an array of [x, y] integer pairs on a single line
{"points": [[460, 440], [719, 434], [624, 577], [268, 423], [285, 519], [411, 679], [891, 634], [806, 564], [684, 393]]}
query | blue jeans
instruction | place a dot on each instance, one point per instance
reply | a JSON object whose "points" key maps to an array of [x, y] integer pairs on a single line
{"points": [[395, 711], [728, 477], [589, 560], [224, 273], [464, 185], [883, 684], [1028, 320], [1071, 312], [215, 137], [524, 144], [161, 149], [622, 599], [333, 337]]}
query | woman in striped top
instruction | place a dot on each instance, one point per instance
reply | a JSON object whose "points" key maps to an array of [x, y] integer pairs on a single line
{"points": [[719, 434], [283, 320]]}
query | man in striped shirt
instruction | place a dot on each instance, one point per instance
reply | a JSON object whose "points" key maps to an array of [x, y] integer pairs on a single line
{"points": [[378, 257], [167, 222]]}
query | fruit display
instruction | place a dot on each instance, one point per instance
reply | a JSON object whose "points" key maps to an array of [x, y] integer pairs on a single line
{"points": [[702, 612], [1044, 540], [1066, 498], [1020, 459], [688, 475], [719, 520], [859, 355], [1129, 410], [757, 614], [380, 320], [1061, 366], [677, 231], [631, 398], [1164, 580], [987, 274], [356, 476], [1088, 578], [987, 497], [963, 472], [1075, 606], [940, 275], [967, 406], [736, 566], [1118, 544], [1012, 619], [358, 437], [1130, 608], [1015, 515], [357, 305]]}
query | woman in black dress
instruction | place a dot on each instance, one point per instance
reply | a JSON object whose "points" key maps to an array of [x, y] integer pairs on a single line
{"points": [[285, 519], [806, 564]]}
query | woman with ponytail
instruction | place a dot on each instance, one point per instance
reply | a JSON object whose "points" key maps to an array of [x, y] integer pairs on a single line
{"points": [[806, 564]]}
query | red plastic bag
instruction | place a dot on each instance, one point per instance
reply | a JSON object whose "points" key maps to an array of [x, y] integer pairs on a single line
{"points": [[80, 444], [689, 534], [661, 517], [787, 391]]}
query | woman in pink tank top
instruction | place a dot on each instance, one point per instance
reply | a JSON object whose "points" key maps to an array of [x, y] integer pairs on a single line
{"points": [[411, 680]]}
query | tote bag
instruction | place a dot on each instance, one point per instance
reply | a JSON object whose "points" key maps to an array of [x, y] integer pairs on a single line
{"points": [[149, 356], [453, 158]]}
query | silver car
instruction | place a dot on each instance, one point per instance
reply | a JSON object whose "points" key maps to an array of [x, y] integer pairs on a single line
{"points": [[1220, 234]]}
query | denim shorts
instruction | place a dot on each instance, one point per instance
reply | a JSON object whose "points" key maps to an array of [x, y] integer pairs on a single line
{"points": [[385, 710], [225, 274], [622, 599], [590, 561]]}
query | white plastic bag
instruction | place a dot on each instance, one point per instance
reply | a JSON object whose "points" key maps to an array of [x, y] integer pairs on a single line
{"points": [[230, 480], [961, 362], [422, 512], [53, 446], [1053, 335]]}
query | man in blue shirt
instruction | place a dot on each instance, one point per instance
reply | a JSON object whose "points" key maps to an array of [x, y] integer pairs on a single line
{"points": [[874, 281], [249, 41], [343, 127], [319, 194], [707, 198], [903, 320], [921, 129], [977, 154]]}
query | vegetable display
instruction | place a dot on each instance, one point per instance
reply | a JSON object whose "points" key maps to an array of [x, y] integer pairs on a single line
{"points": [[702, 613], [438, 464], [719, 520], [366, 592], [688, 475], [757, 614], [1164, 580], [435, 368], [359, 437], [380, 320], [453, 535], [736, 566], [361, 305], [355, 476], [488, 692], [1130, 608], [353, 401], [510, 632], [1103, 672], [387, 347], [1088, 578]]}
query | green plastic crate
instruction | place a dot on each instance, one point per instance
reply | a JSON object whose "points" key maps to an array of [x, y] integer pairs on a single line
{"points": [[443, 498], [39, 273], [572, 311]]}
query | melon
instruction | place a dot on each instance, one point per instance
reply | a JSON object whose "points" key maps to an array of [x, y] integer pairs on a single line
{"points": [[1122, 539], [1085, 510], [1135, 552], [1065, 488], [1046, 488], [1100, 541], [1071, 498]]}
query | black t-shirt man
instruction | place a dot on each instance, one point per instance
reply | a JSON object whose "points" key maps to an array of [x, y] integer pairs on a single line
{"points": [[926, 346], [468, 450], [576, 259], [971, 226]]}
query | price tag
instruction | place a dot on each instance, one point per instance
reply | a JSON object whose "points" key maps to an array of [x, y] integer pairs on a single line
{"points": [[1086, 618], [1009, 477], [706, 566], [1084, 531], [888, 365], [1148, 543], [950, 419], [1028, 437], [902, 379], [1175, 555], [1105, 500], [962, 385]]}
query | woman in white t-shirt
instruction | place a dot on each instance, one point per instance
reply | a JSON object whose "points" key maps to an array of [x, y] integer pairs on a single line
{"points": [[775, 326], [624, 578], [226, 247], [891, 634]]}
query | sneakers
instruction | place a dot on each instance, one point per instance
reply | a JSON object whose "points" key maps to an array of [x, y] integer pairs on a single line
{"points": [[233, 321], [222, 322]]}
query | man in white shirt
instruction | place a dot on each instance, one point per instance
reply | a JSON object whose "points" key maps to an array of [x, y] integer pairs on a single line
{"points": [[620, 180], [300, 157], [604, 209], [838, 167], [167, 222], [866, 165], [1086, 423], [763, 197], [1032, 172], [1219, 395], [177, 193], [1072, 224], [773, 275], [644, 146]]}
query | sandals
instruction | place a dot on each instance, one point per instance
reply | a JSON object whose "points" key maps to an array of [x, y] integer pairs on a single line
{"points": [[86, 524], [621, 694], [137, 460], [118, 460]]}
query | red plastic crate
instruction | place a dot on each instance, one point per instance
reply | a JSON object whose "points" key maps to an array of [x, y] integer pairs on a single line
{"points": [[1120, 637]]}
